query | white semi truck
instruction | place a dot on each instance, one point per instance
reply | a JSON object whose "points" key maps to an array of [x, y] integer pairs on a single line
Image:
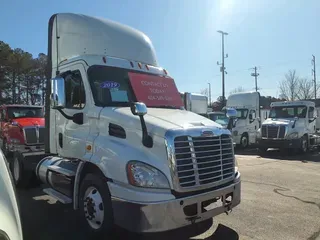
{"points": [[249, 117], [291, 125], [119, 145]]}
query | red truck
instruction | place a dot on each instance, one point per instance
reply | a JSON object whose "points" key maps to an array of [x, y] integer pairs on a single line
{"points": [[21, 128]]}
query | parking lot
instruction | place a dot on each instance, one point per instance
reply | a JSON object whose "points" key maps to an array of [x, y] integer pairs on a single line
{"points": [[280, 200]]}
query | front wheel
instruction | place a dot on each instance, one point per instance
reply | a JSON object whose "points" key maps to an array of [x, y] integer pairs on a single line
{"points": [[304, 144], [95, 205], [244, 141], [22, 178]]}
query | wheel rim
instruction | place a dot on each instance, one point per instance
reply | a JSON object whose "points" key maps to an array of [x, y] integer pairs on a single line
{"points": [[244, 142], [16, 169], [304, 145], [93, 207]]}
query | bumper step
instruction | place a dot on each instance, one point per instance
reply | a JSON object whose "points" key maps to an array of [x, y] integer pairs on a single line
{"points": [[58, 196]]}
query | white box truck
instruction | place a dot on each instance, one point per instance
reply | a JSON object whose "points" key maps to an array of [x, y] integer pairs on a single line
{"points": [[119, 146], [249, 115], [195, 102], [291, 125]]}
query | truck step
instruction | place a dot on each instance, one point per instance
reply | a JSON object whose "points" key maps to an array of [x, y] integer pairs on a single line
{"points": [[61, 170], [58, 196]]}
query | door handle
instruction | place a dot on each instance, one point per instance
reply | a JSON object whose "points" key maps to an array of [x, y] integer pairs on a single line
{"points": [[60, 140]]}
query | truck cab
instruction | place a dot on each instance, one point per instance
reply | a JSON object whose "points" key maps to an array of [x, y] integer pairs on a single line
{"points": [[290, 125], [21, 128], [248, 122], [118, 140]]}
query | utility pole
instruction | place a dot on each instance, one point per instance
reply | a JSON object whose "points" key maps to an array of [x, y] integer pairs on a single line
{"points": [[255, 75], [314, 76], [209, 93], [222, 68]]}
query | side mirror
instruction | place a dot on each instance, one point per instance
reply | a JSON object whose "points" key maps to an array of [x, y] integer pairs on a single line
{"points": [[58, 96], [231, 113], [139, 109], [250, 116], [78, 118]]}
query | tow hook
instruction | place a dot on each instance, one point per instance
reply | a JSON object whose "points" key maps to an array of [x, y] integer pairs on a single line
{"points": [[228, 205]]}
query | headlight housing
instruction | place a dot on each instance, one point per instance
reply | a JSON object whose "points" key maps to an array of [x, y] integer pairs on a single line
{"points": [[14, 140], [143, 175], [293, 135]]}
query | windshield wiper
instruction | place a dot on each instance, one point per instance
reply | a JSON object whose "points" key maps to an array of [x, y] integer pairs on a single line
{"points": [[165, 106]]}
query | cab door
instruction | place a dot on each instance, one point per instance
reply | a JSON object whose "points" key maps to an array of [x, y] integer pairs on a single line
{"points": [[70, 136], [253, 126], [311, 120]]}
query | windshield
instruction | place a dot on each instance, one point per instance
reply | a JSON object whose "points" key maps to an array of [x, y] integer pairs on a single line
{"points": [[25, 112], [112, 86], [242, 113], [288, 112]]}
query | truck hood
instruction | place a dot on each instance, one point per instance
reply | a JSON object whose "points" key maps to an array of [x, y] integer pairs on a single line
{"points": [[26, 122], [276, 121], [158, 120]]}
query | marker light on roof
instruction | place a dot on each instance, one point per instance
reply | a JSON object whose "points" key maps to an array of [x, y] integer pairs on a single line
{"points": [[104, 59], [165, 72], [131, 63], [147, 67], [139, 64]]}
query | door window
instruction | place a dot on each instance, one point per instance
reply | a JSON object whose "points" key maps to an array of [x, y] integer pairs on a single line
{"points": [[75, 92], [311, 112]]}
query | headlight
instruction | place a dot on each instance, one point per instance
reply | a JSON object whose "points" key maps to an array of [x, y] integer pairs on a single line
{"points": [[293, 135], [144, 175], [14, 140]]}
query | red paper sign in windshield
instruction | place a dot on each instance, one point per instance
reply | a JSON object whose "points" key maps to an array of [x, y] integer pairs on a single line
{"points": [[155, 91]]}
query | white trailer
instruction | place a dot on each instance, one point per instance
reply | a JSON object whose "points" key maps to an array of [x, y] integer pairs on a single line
{"points": [[195, 102], [119, 146], [291, 125]]}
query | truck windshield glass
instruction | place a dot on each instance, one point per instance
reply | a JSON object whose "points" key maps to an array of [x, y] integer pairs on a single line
{"points": [[111, 87], [288, 112], [242, 113], [25, 112], [219, 118]]}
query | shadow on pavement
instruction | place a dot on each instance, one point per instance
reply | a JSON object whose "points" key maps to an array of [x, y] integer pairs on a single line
{"points": [[44, 219], [276, 154]]}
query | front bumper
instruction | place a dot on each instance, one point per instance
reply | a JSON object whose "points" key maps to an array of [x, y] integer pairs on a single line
{"points": [[279, 143], [172, 214]]}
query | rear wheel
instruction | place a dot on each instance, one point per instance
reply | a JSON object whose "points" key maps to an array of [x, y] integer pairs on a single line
{"points": [[95, 205]]}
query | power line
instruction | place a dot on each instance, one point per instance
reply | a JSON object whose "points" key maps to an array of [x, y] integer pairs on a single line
{"points": [[255, 75], [313, 61]]}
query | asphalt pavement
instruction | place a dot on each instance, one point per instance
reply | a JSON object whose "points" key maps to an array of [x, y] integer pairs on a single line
{"points": [[280, 200]]}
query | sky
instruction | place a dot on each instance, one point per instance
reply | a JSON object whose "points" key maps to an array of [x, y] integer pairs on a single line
{"points": [[274, 35]]}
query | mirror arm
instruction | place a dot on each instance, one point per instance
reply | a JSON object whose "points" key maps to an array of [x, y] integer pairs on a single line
{"points": [[146, 138], [65, 115]]}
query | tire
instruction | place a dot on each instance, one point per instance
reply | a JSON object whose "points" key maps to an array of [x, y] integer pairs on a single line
{"points": [[304, 144], [244, 141], [98, 216], [21, 177]]}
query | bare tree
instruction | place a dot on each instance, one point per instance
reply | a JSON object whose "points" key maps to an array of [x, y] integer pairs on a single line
{"points": [[289, 87], [305, 89], [237, 90], [204, 92]]}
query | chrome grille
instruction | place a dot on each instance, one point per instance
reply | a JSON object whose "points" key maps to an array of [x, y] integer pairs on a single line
{"points": [[273, 131], [203, 160], [34, 135]]}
